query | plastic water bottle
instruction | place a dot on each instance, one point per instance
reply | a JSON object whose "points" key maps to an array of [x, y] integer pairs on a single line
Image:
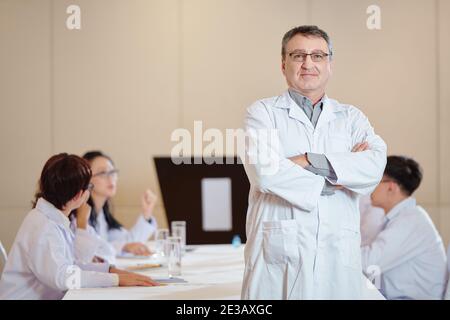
{"points": [[236, 242]]}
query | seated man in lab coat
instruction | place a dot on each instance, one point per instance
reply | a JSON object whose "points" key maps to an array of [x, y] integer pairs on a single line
{"points": [[447, 293], [407, 256], [41, 264], [372, 220]]}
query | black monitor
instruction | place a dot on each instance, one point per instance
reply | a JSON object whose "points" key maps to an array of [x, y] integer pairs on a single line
{"points": [[195, 192]]}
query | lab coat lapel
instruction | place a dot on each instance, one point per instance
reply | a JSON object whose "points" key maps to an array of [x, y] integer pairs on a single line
{"points": [[328, 113], [295, 112], [55, 215]]}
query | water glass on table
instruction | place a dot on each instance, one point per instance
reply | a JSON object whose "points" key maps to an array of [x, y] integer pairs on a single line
{"points": [[179, 230], [161, 236], [174, 256]]}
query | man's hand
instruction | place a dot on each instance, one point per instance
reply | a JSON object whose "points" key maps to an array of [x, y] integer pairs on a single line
{"points": [[329, 188], [83, 214], [137, 248], [359, 147], [301, 160]]}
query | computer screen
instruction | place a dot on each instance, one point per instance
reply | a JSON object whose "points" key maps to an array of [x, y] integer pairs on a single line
{"points": [[208, 193]]}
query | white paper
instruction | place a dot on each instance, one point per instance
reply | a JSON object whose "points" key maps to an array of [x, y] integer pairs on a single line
{"points": [[169, 280], [216, 204]]}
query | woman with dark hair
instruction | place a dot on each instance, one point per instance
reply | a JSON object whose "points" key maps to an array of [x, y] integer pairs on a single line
{"points": [[41, 263], [111, 237], [408, 253]]}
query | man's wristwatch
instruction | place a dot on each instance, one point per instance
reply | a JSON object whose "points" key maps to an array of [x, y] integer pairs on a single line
{"points": [[306, 157]]}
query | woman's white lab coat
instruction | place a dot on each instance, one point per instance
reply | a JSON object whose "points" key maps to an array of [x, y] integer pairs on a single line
{"points": [[107, 243], [41, 263], [89, 244], [301, 245]]}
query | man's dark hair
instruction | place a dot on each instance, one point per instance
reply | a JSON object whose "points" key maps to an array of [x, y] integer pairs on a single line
{"points": [[62, 178], [307, 31], [405, 171]]}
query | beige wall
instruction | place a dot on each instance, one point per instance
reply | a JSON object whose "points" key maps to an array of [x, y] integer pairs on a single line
{"points": [[139, 69], [25, 108], [443, 134]]}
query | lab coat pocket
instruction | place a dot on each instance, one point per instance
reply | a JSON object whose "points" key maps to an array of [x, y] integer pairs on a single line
{"points": [[350, 241], [339, 143], [280, 242]]}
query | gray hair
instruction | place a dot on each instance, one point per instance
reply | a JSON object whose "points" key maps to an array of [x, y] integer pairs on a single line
{"points": [[311, 31]]}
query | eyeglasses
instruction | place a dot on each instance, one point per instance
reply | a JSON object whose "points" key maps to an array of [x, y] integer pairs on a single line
{"points": [[90, 187], [387, 180], [300, 56], [106, 174]]}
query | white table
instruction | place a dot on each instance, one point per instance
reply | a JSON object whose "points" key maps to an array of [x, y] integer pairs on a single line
{"points": [[211, 271]]}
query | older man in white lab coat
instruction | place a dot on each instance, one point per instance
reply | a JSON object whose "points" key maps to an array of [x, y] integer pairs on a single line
{"points": [[303, 235]]}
